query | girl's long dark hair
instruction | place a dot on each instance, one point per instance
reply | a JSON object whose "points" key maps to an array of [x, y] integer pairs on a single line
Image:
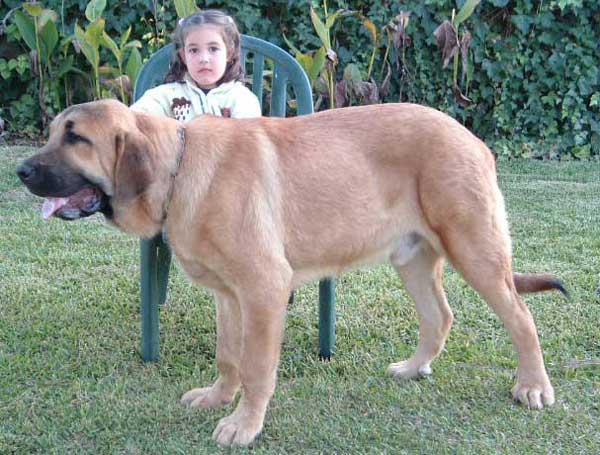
{"points": [[231, 38]]}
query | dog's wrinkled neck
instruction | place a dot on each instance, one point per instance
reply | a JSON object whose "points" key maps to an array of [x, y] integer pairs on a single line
{"points": [[178, 158]]}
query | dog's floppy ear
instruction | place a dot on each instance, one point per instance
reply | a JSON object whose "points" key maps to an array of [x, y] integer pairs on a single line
{"points": [[133, 169]]}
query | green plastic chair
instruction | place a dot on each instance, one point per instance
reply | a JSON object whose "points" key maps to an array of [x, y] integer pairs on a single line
{"points": [[155, 255]]}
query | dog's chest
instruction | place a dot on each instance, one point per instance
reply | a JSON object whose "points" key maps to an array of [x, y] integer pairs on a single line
{"points": [[200, 273], [195, 259]]}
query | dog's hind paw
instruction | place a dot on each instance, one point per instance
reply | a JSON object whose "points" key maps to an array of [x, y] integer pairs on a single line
{"points": [[534, 396], [409, 369]]}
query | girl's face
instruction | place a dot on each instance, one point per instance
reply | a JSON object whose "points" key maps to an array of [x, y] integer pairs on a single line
{"points": [[205, 55]]}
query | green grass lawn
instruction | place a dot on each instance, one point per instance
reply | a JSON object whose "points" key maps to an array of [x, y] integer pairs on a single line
{"points": [[71, 378]]}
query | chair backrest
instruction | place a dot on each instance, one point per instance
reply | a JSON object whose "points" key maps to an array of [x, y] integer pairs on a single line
{"points": [[287, 73]]}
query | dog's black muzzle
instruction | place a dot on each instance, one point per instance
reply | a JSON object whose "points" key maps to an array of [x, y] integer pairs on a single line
{"points": [[49, 179]]}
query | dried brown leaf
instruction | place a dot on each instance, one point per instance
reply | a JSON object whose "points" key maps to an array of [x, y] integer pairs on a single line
{"points": [[367, 92], [385, 84], [447, 40], [461, 99], [465, 43], [332, 56], [341, 93], [397, 28]]}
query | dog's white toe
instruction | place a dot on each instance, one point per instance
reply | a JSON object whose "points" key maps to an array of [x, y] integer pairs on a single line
{"points": [[407, 369]]}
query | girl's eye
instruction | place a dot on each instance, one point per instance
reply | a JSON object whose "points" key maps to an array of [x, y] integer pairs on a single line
{"points": [[213, 49]]}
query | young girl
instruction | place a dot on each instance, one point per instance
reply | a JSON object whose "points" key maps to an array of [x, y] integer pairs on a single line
{"points": [[206, 76]]}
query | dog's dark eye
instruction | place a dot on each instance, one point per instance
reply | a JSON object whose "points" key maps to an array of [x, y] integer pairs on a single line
{"points": [[72, 138]]}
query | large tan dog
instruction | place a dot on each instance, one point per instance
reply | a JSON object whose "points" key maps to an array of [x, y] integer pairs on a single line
{"points": [[253, 208]]}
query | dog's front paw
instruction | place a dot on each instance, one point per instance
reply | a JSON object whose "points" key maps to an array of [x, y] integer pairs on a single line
{"points": [[409, 369], [237, 430], [206, 398], [534, 394]]}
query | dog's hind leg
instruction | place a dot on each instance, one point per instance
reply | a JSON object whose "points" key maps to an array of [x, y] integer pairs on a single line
{"points": [[229, 340], [480, 249], [422, 275]]}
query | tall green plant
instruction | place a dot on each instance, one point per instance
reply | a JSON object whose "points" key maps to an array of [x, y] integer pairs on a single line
{"points": [[323, 30], [120, 52], [41, 35], [322, 63], [126, 53], [89, 40]]}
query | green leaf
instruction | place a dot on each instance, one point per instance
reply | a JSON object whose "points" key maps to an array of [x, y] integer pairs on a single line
{"points": [[522, 22], [94, 32], [185, 8], [34, 9], [109, 43], [582, 152], [333, 17], [89, 51], [26, 28], [352, 73], [47, 15], [65, 67], [465, 12], [133, 66], [294, 49], [322, 32], [132, 44], [546, 38], [4, 69], [48, 40], [318, 63], [125, 37], [65, 44], [550, 99], [94, 9], [22, 64], [306, 62]]}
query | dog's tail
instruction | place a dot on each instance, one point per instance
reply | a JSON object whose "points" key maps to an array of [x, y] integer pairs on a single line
{"points": [[527, 283]]}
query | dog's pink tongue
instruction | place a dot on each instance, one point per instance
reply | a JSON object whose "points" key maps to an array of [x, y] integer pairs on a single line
{"points": [[52, 205]]}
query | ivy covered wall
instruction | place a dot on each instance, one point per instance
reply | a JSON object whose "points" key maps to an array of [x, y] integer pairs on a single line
{"points": [[532, 76]]}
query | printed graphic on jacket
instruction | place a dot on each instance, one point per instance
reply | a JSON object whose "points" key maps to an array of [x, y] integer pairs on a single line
{"points": [[181, 108]]}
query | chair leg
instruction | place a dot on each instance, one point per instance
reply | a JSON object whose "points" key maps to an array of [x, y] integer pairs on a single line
{"points": [[155, 260], [163, 268], [326, 318], [149, 298]]}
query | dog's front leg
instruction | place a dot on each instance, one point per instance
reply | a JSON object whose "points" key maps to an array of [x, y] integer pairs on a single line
{"points": [[229, 341], [263, 317]]}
